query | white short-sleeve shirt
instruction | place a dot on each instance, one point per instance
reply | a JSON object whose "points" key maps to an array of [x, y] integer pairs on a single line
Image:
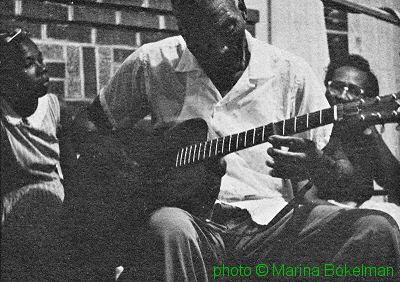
{"points": [[32, 151], [165, 80]]}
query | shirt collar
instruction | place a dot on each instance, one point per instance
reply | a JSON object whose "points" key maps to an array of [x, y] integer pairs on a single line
{"points": [[259, 68], [187, 62], [260, 65]]}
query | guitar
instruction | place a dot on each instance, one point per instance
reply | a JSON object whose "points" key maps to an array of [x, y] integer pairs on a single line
{"points": [[178, 174]]}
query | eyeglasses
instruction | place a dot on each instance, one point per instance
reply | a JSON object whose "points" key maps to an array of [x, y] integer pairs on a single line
{"points": [[337, 88]]}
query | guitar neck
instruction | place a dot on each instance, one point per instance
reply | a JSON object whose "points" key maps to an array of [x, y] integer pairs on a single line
{"points": [[228, 144]]}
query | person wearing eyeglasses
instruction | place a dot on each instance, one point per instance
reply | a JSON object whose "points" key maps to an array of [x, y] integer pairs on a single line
{"points": [[356, 154], [31, 177], [367, 157]]}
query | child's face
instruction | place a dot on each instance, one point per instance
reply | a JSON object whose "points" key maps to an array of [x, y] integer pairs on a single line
{"points": [[32, 73]]}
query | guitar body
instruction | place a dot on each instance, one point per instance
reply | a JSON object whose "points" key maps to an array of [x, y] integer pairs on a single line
{"points": [[194, 187], [118, 180]]}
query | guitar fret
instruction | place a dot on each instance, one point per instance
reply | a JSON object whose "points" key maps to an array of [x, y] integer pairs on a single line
{"points": [[227, 145], [194, 153], [320, 117], [279, 128], [184, 159], [245, 139], [254, 136], [335, 113], [190, 154], [301, 123], [205, 150], [249, 138], [177, 159], [289, 126], [295, 124], [283, 127], [198, 156], [307, 124], [182, 154], [257, 135], [180, 161], [263, 134]]}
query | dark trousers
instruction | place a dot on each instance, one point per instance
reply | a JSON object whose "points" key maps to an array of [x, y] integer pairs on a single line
{"points": [[176, 246]]}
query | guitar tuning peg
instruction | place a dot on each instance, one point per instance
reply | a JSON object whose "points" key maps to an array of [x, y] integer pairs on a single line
{"points": [[378, 99]]}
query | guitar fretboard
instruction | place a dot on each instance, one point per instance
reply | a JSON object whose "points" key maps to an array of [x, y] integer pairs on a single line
{"points": [[246, 139]]}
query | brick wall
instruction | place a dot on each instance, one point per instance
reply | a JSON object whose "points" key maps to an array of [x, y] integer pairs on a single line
{"points": [[84, 41]]}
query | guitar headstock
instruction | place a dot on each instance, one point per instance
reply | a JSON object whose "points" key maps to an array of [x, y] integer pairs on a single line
{"points": [[378, 110]]}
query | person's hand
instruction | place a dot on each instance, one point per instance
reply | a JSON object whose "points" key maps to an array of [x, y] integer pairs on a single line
{"points": [[299, 161]]}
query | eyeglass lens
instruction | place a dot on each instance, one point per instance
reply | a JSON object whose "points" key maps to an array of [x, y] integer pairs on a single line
{"points": [[338, 87]]}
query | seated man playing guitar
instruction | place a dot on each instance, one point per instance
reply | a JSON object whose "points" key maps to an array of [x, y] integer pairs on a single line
{"points": [[233, 89]]}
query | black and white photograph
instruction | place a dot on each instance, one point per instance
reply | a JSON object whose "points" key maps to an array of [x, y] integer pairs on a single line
{"points": [[200, 140]]}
